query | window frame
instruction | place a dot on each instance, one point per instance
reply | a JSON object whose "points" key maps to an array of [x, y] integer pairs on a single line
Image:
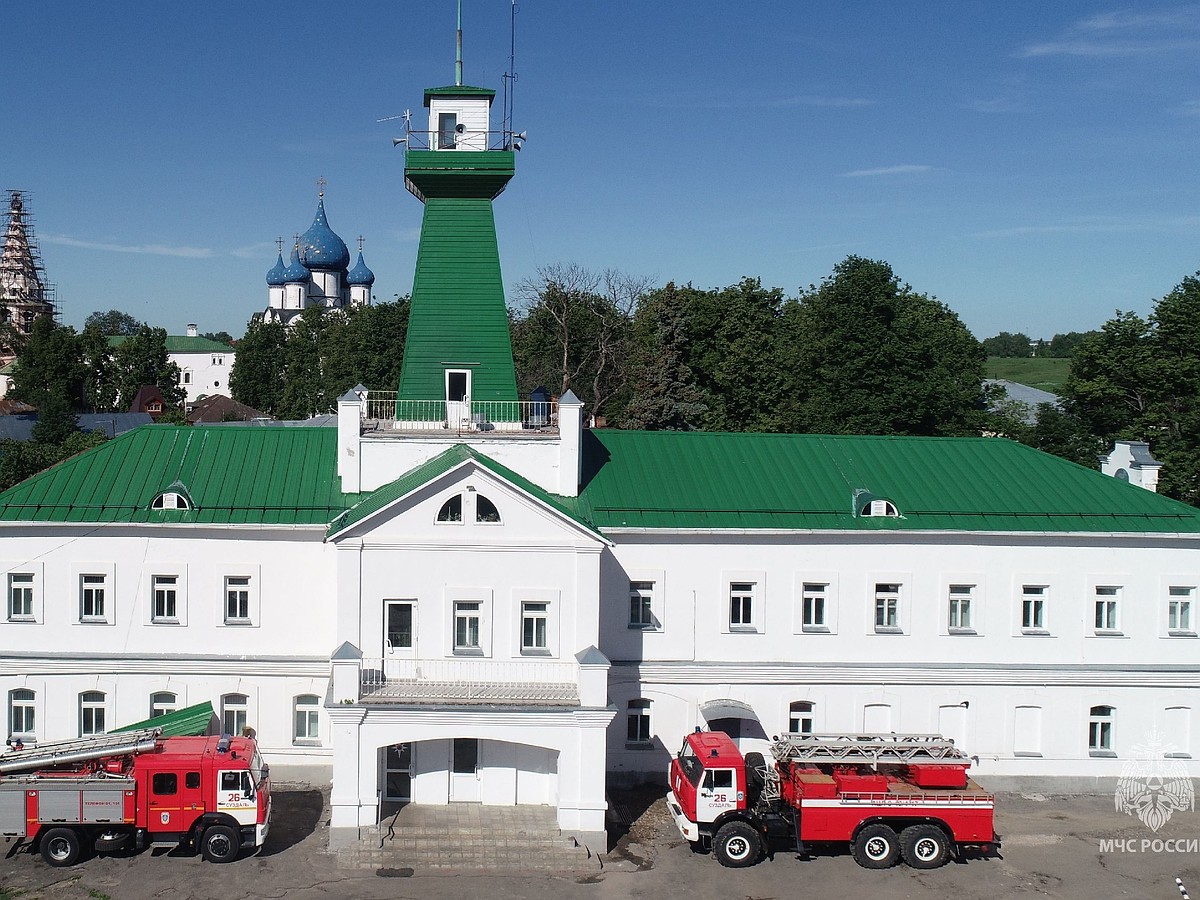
{"points": [[231, 704], [1106, 608], [641, 606], [467, 613], [1181, 626], [157, 580], [97, 708], [166, 706], [1101, 730], [531, 615], [28, 589], [801, 711], [448, 507], [960, 599], [887, 605], [639, 724], [87, 588], [301, 706], [245, 585], [29, 716], [814, 607], [1034, 597]]}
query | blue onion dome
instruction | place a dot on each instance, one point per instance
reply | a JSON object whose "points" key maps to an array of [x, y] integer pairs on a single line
{"points": [[320, 248], [277, 274], [295, 270], [360, 274]]}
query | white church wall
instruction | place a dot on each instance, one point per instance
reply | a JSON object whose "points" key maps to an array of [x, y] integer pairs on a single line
{"points": [[383, 460], [204, 374]]}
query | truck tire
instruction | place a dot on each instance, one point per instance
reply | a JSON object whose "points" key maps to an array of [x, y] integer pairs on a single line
{"points": [[876, 847], [220, 844], [737, 845], [61, 847], [924, 846]]}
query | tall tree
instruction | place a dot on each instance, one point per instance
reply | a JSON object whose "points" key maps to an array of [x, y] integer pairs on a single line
{"points": [[868, 355], [258, 378], [664, 394], [113, 323], [50, 364], [1008, 344], [142, 359]]}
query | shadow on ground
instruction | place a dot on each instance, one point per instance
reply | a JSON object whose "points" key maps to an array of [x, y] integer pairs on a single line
{"points": [[295, 814]]}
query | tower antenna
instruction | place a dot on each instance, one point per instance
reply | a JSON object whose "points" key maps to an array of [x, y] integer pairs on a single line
{"points": [[458, 49], [510, 75]]}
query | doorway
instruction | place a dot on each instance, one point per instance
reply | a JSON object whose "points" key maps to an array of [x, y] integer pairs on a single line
{"points": [[464, 771], [458, 398]]}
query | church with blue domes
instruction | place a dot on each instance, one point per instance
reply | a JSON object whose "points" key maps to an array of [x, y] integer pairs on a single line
{"points": [[317, 274]]}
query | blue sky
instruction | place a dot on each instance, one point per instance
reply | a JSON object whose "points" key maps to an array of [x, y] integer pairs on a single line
{"points": [[1031, 164]]}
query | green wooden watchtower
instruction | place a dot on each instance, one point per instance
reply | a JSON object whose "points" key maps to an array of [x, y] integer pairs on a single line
{"points": [[458, 348]]}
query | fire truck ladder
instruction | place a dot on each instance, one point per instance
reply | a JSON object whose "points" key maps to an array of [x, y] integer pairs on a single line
{"points": [[62, 753], [852, 749]]}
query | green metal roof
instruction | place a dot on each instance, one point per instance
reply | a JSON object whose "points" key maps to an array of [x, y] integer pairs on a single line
{"points": [[705, 480], [457, 317], [439, 465], [182, 343], [458, 90], [191, 720], [262, 476]]}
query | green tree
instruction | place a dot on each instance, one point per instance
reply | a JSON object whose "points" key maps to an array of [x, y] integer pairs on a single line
{"points": [[100, 371], [868, 355], [113, 323], [142, 359], [304, 391], [664, 394], [1008, 344], [50, 365], [221, 337], [258, 378]]}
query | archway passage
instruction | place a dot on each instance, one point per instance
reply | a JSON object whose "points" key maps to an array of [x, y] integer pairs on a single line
{"points": [[738, 720]]}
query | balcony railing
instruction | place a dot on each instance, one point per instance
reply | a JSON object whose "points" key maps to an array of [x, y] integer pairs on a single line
{"points": [[384, 411], [541, 682], [467, 139]]}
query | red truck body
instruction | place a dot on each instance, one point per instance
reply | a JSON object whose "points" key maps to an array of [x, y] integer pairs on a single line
{"points": [[887, 796], [112, 792]]}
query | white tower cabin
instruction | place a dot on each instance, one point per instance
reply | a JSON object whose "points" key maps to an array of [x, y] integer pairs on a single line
{"points": [[459, 116]]}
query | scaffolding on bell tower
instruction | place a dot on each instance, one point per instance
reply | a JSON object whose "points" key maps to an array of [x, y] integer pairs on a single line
{"points": [[24, 292]]}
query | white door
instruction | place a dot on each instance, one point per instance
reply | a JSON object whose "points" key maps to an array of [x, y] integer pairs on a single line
{"points": [[399, 634], [717, 794], [464, 770], [458, 398]]}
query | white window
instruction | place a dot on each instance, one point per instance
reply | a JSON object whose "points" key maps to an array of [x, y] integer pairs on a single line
{"points": [[235, 710], [741, 606], [535, 618], [163, 703], [170, 500], [1027, 731], [21, 714], [307, 727], [1179, 611], [467, 616], [1033, 608], [447, 130], [800, 717], [641, 604], [1107, 609], [91, 598], [1100, 730], [451, 510], [959, 613], [813, 606], [20, 597], [887, 607], [166, 600], [485, 510], [1177, 732], [877, 718], [637, 723], [218, 360], [91, 713], [186, 375], [237, 600]]}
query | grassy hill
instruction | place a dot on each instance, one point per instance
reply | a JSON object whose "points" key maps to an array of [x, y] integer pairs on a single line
{"points": [[1042, 372]]}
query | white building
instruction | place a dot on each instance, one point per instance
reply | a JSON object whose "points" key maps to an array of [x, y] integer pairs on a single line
{"points": [[459, 596], [204, 365]]}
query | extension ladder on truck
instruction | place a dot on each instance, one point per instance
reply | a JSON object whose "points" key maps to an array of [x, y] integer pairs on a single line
{"points": [[62, 753]]}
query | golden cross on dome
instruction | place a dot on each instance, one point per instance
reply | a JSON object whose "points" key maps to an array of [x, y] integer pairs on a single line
{"points": [[279, 243], [360, 243], [321, 182]]}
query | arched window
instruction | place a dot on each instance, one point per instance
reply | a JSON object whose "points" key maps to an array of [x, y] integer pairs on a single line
{"points": [[234, 711], [637, 722], [171, 500], [307, 729], [20, 714], [800, 717], [451, 510], [485, 510], [880, 508], [163, 703], [1100, 730], [91, 713]]}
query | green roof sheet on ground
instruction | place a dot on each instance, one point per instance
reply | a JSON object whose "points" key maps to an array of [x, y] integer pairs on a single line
{"points": [[260, 476], [191, 720], [705, 480]]}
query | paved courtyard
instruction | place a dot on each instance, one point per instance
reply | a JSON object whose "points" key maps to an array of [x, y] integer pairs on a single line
{"points": [[1052, 848]]}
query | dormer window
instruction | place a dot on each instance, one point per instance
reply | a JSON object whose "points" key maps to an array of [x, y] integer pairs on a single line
{"points": [[880, 508], [171, 500], [451, 510], [485, 510]]}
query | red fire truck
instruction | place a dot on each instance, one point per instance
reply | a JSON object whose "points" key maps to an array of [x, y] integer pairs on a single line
{"points": [[889, 796], [135, 790]]}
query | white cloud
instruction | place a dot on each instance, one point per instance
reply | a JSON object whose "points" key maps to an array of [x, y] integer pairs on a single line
{"points": [[1125, 34], [145, 249], [887, 170]]}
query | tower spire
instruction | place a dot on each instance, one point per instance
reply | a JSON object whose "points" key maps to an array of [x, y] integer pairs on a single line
{"points": [[458, 50]]}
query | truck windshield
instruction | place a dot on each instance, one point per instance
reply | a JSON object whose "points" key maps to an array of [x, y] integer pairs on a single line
{"points": [[690, 763], [258, 769]]}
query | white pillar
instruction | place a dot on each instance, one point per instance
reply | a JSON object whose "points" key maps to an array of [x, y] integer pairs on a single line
{"points": [[570, 443], [351, 408]]}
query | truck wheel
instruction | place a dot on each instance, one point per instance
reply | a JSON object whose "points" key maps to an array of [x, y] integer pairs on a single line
{"points": [[220, 844], [61, 847], [736, 845], [924, 846], [876, 847]]}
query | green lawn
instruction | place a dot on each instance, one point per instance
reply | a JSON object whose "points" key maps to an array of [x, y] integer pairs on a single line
{"points": [[1044, 373]]}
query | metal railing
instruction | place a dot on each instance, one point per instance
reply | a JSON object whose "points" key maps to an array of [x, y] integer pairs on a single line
{"points": [[385, 411], [467, 139], [469, 680]]}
